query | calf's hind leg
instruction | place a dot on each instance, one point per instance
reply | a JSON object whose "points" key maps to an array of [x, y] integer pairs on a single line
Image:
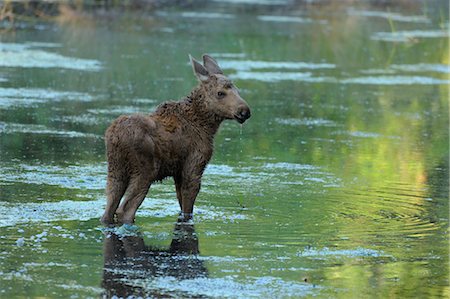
{"points": [[114, 191], [143, 175], [137, 190]]}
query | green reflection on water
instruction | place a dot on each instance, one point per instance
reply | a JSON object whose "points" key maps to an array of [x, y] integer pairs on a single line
{"points": [[333, 188]]}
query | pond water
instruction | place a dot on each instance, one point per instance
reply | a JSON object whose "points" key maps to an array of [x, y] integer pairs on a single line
{"points": [[337, 187]]}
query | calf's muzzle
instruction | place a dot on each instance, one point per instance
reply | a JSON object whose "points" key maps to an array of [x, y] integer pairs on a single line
{"points": [[243, 113]]}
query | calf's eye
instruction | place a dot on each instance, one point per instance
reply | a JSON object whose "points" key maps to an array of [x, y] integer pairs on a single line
{"points": [[221, 94]]}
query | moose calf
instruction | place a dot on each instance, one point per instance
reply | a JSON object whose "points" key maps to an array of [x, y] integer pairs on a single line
{"points": [[176, 140]]}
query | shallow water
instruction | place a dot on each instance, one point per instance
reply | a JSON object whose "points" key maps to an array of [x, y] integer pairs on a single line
{"points": [[337, 187]]}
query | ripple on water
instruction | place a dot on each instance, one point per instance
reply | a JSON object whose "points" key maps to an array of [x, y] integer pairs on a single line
{"points": [[281, 174], [230, 179], [273, 77], [256, 2], [228, 55], [410, 68], [90, 177], [395, 80], [394, 212], [422, 67], [25, 97], [219, 169], [14, 214], [206, 15], [350, 253], [289, 19], [228, 287], [388, 15], [88, 119], [66, 210], [307, 77], [119, 110], [93, 177], [291, 166], [408, 36], [306, 122], [245, 70], [24, 55], [103, 115], [144, 101], [8, 128], [258, 70], [361, 134], [247, 65]]}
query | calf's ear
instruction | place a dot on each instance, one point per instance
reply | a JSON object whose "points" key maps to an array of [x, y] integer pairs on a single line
{"points": [[211, 65], [199, 70]]}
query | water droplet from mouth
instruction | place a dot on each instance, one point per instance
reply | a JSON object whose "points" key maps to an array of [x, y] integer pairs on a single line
{"points": [[240, 135]]}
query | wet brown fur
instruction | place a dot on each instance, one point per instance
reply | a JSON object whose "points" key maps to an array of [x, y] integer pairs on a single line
{"points": [[174, 141]]}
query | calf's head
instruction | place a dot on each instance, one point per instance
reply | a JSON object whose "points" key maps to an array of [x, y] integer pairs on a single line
{"points": [[221, 95]]}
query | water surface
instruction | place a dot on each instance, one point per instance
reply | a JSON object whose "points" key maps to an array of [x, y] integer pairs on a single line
{"points": [[337, 187]]}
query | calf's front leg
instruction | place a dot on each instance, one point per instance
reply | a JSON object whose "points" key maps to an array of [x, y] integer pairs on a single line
{"points": [[178, 181], [189, 188]]}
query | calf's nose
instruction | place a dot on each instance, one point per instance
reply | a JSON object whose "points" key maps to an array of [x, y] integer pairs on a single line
{"points": [[244, 113]]}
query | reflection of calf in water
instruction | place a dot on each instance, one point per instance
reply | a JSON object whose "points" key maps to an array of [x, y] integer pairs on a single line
{"points": [[128, 259]]}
